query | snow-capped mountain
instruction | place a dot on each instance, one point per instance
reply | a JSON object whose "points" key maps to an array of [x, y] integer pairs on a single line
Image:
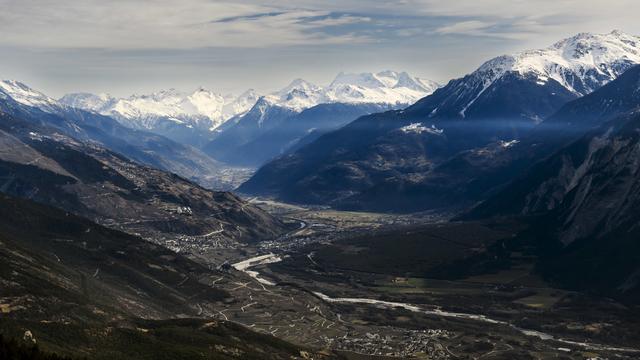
{"points": [[27, 104], [297, 96], [574, 66], [581, 63], [502, 101], [88, 101], [25, 95], [281, 120], [196, 118], [383, 88], [204, 109], [201, 109]]}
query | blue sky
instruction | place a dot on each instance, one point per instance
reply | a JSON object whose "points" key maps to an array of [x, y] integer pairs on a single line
{"points": [[134, 46]]}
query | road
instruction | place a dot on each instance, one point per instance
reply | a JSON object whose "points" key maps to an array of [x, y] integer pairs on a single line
{"points": [[214, 232]]}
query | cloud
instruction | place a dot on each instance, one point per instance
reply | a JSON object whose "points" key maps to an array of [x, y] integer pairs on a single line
{"points": [[248, 17], [131, 24], [511, 30], [185, 24], [465, 27], [338, 21]]}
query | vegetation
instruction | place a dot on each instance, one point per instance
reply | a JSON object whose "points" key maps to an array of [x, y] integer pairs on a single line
{"points": [[11, 349]]}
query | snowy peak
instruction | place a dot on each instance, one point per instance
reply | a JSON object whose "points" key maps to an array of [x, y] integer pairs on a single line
{"points": [[533, 84], [201, 108], [429, 85], [25, 95], [88, 101], [207, 110], [365, 80], [386, 87], [299, 85], [384, 79], [239, 105], [581, 63], [203, 102], [297, 96], [417, 84]]}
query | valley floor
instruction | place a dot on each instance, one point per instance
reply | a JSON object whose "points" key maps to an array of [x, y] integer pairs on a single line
{"points": [[363, 286], [388, 285]]}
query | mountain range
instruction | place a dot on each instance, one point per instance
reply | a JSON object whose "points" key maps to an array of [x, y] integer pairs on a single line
{"points": [[19, 100], [90, 180], [474, 175], [112, 246], [82, 290], [194, 118], [188, 118], [385, 161], [301, 112]]}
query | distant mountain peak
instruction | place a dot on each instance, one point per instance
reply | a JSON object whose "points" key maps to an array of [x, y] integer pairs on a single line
{"points": [[206, 110], [249, 92], [201, 108], [572, 61], [532, 84], [385, 87], [301, 84], [25, 95], [366, 80]]}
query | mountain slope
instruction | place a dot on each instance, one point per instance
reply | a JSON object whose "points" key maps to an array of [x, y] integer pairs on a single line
{"points": [[144, 147], [587, 195], [187, 118], [601, 158], [615, 98], [52, 251], [195, 118], [87, 179], [574, 67], [279, 120], [262, 118], [385, 87], [82, 290], [475, 174], [500, 102], [281, 130]]}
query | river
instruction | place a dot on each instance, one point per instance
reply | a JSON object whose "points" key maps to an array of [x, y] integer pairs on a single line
{"points": [[273, 258]]}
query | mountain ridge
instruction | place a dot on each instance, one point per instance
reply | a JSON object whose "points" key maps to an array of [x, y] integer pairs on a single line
{"points": [[195, 118], [141, 146], [85, 178], [490, 105]]}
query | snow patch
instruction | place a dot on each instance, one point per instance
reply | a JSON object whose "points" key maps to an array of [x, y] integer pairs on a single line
{"points": [[419, 128], [508, 144]]}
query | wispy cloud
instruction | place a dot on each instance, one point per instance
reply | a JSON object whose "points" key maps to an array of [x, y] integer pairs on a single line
{"points": [[130, 24], [511, 30], [248, 17], [339, 20], [472, 27]]}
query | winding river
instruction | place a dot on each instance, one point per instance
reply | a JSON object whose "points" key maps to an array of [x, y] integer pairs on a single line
{"points": [[273, 258]]}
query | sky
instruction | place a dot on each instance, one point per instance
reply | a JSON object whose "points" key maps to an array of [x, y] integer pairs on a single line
{"points": [[124, 47]]}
